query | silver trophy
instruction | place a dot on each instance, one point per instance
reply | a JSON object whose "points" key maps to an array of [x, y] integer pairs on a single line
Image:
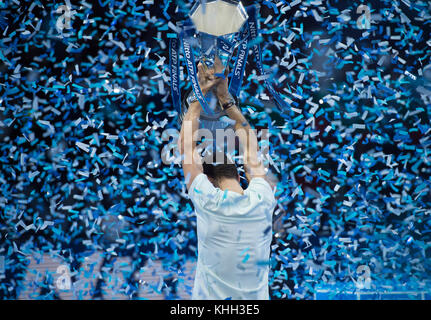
{"points": [[215, 31], [218, 23]]}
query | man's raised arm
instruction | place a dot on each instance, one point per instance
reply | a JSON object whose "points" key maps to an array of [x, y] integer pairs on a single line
{"points": [[191, 160], [247, 137]]}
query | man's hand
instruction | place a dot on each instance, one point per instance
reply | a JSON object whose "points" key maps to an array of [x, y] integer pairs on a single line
{"points": [[222, 86], [209, 77]]}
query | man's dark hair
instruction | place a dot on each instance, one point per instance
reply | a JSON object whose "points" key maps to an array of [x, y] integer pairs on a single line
{"points": [[222, 169]]}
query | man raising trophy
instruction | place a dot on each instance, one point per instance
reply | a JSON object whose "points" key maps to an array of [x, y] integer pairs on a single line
{"points": [[234, 224]]}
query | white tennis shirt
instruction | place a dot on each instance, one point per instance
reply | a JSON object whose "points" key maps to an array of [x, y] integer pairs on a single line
{"points": [[234, 238]]}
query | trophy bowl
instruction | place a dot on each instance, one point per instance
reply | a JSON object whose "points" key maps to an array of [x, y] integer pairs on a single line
{"points": [[217, 23], [218, 17]]}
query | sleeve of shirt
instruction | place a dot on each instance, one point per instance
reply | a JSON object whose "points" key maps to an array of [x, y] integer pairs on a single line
{"points": [[263, 190], [201, 192]]}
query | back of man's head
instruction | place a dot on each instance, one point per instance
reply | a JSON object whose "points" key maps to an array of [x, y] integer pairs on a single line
{"points": [[220, 168]]}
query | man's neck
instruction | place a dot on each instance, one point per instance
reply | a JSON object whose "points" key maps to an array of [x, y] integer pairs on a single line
{"points": [[231, 185]]}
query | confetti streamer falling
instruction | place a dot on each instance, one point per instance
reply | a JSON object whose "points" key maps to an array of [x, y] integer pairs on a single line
{"points": [[84, 104]]}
